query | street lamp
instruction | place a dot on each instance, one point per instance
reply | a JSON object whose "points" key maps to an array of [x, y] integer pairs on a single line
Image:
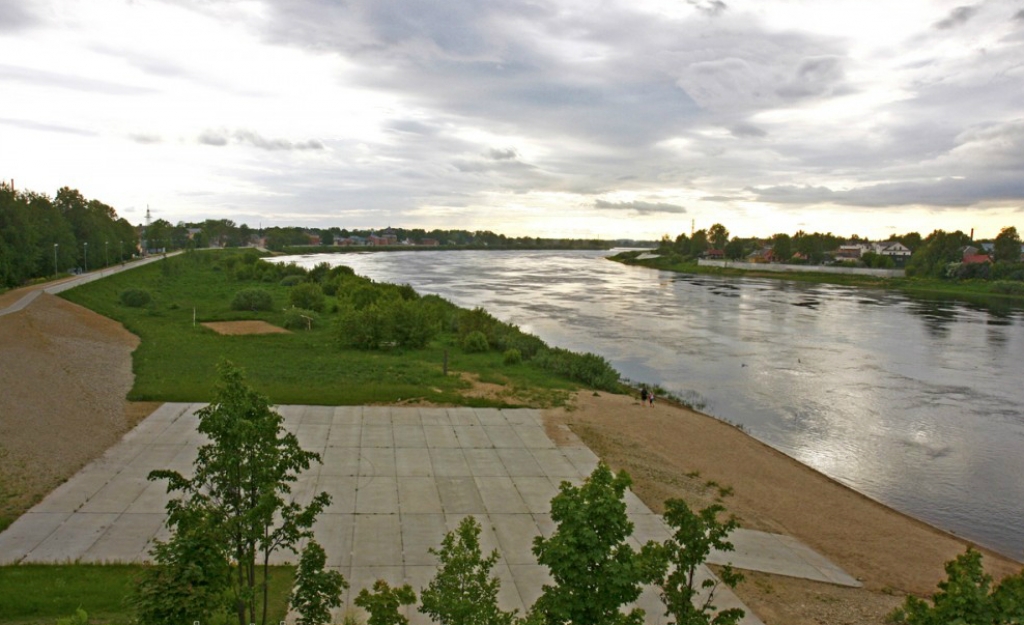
{"points": [[86, 244], [55, 245]]}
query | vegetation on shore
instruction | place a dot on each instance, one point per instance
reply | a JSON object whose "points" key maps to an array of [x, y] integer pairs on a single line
{"points": [[352, 341]]}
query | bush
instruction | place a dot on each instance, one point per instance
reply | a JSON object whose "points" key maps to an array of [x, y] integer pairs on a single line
{"points": [[299, 319], [589, 369], [1007, 287], [290, 281], [307, 295], [512, 357], [135, 298], [252, 299], [475, 342]]}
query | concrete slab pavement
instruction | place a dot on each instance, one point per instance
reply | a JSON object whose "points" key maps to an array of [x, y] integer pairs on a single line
{"points": [[399, 479]]}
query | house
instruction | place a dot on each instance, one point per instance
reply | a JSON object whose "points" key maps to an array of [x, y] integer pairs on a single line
{"points": [[850, 251], [763, 255], [895, 250]]}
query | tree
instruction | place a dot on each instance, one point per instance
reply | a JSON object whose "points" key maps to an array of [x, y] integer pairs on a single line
{"points": [[735, 249], [678, 558], [316, 590], [383, 603], [782, 247], [1007, 246], [594, 569], [463, 592], [240, 480], [964, 597], [718, 236], [937, 251], [699, 242]]}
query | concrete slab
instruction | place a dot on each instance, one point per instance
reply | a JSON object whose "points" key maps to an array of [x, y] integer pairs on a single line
{"points": [[399, 478]]}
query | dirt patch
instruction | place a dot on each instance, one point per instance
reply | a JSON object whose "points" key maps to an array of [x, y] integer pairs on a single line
{"points": [[65, 372], [244, 327], [673, 452]]}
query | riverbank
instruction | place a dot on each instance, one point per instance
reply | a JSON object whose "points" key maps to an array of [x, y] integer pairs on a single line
{"points": [[983, 292], [674, 452]]}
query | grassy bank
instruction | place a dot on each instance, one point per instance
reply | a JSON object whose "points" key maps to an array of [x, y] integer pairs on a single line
{"points": [[39, 594], [981, 292], [177, 356]]}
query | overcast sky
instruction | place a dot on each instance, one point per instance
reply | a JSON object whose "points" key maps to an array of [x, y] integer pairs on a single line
{"points": [[580, 118]]}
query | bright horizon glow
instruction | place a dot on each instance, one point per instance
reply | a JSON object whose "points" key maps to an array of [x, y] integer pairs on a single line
{"points": [[548, 118]]}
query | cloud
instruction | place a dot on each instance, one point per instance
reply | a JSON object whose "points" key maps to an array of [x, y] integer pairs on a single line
{"points": [[220, 138], [145, 138], [744, 129], [709, 7], [67, 81], [16, 15], [643, 208], [507, 154], [957, 17], [1019, 15], [33, 125]]}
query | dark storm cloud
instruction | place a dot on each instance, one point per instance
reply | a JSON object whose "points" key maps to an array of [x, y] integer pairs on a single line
{"points": [[957, 17], [643, 208]]}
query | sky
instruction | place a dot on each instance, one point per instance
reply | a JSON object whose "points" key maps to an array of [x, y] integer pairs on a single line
{"points": [[556, 118]]}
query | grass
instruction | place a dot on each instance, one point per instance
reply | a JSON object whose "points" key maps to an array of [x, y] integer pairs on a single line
{"points": [[176, 359], [32, 594]]}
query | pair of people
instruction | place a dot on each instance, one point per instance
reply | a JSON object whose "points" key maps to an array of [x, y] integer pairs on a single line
{"points": [[646, 396]]}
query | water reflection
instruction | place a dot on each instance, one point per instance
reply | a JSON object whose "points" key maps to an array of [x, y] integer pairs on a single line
{"points": [[915, 402]]}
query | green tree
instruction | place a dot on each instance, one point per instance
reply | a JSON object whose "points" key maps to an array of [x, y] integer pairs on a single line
{"points": [[677, 561], [594, 569], [699, 242], [317, 590], [735, 249], [718, 236], [782, 247], [937, 251], [384, 602], [1007, 246], [463, 591], [241, 478], [964, 597]]}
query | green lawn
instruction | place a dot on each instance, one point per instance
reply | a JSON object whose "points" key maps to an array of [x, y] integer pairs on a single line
{"points": [[177, 357], [39, 594]]}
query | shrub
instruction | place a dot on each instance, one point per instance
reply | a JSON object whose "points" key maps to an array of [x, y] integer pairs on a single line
{"points": [[512, 356], [589, 369], [307, 295], [1007, 287], [299, 319], [252, 299], [290, 281], [475, 342], [135, 298]]}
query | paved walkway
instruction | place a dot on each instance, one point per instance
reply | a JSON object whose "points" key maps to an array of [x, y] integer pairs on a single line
{"points": [[399, 477]]}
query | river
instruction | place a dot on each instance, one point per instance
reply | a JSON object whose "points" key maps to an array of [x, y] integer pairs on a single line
{"points": [[916, 403]]}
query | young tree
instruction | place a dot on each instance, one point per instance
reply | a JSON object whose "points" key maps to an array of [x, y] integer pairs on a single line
{"points": [[718, 235], [677, 559], [964, 597], [1007, 246], [383, 603], [241, 479], [595, 570], [463, 592], [317, 590]]}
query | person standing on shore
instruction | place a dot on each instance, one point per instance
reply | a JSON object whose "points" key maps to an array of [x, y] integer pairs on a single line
{"points": [[650, 397], [643, 395]]}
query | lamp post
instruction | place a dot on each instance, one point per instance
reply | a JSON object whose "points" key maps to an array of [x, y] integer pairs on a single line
{"points": [[86, 244], [55, 246]]}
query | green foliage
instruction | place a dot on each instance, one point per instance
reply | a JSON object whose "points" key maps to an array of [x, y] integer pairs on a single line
{"points": [[252, 299], [590, 369], [317, 590], [290, 281], [300, 319], [512, 356], [80, 617], [964, 597], [475, 342], [1006, 287], [136, 298], [463, 591], [384, 602], [594, 568], [676, 561], [307, 295], [191, 574], [1006, 248], [936, 252], [718, 236], [241, 479]]}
